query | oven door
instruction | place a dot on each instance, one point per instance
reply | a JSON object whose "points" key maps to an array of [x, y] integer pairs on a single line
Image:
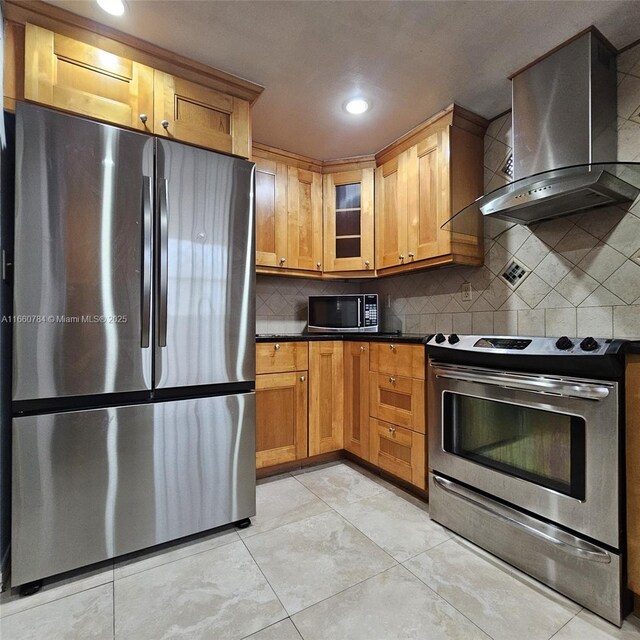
{"points": [[546, 444]]}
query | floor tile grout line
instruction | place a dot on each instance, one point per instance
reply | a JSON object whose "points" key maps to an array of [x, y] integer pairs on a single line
{"points": [[355, 584], [555, 633], [275, 593], [113, 610], [464, 615], [273, 624], [189, 555]]}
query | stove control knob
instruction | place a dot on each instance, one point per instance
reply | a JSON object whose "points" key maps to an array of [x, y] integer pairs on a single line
{"points": [[564, 343], [589, 344], [453, 338], [440, 338]]}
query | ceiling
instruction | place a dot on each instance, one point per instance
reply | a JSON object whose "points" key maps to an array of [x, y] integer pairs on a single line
{"points": [[409, 59]]}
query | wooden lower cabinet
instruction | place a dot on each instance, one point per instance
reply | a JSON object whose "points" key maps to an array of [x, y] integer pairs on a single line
{"points": [[398, 451], [398, 400], [326, 397], [281, 418], [356, 398]]}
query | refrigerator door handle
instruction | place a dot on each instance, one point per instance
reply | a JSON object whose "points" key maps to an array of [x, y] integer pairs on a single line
{"points": [[146, 262], [164, 262]]}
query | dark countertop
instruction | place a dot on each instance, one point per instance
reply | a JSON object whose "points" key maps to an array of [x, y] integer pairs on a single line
{"points": [[412, 338], [633, 347]]}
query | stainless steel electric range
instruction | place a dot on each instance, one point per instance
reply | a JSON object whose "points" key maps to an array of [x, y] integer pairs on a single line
{"points": [[526, 455]]}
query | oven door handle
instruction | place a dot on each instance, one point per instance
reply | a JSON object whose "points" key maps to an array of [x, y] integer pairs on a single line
{"points": [[571, 544], [547, 386]]}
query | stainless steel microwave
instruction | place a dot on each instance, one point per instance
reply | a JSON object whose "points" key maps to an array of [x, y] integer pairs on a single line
{"points": [[342, 314]]}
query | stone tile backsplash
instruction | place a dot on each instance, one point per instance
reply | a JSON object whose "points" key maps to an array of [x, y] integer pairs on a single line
{"points": [[583, 270]]}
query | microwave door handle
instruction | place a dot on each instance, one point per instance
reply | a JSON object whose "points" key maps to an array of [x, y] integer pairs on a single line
{"points": [[359, 313]]}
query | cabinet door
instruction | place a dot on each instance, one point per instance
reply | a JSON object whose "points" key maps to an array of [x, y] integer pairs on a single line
{"points": [[398, 400], [348, 221], [391, 212], [281, 418], [304, 229], [271, 213], [398, 451], [71, 75], [356, 398], [428, 198], [326, 397], [199, 115]]}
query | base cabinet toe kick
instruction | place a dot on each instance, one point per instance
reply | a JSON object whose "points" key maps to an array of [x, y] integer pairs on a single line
{"points": [[583, 571]]}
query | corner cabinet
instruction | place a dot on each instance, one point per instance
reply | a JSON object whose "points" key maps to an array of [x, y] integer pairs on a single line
{"points": [[288, 213], [356, 398], [422, 180], [107, 84], [326, 397], [348, 220]]}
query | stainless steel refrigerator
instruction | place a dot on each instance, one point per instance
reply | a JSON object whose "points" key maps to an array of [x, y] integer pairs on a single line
{"points": [[133, 342]]}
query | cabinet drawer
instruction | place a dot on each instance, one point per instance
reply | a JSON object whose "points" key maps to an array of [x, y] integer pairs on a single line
{"points": [[398, 359], [276, 357], [398, 400], [398, 451]]}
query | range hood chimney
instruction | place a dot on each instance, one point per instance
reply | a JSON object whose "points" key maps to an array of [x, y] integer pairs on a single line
{"points": [[565, 137]]}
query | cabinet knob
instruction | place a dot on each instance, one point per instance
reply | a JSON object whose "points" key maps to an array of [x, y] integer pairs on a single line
{"points": [[392, 347], [165, 124], [366, 263], [392, 429], [392, 380], [143, 117], [400, 257], [363, 349], [302, 378], [283, 260], [411, 254], [276, 346], [318, 264]]}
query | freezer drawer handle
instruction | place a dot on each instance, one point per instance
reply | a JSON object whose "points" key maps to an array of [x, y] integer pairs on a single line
{"points": [[146, 262], [164, 262], [566, 388], [576, 547]]}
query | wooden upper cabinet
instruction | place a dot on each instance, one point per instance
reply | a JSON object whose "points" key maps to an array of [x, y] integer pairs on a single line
{"points": [[271, 212], [326, 397], [428, 198], [391, 212], [193, 113], [304, 224], [356, 398], [422, 180], [74, 76], [348, 220]]}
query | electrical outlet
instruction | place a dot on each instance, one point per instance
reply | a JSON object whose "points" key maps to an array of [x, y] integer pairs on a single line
{"points": [[467, 294], [387, 301]]}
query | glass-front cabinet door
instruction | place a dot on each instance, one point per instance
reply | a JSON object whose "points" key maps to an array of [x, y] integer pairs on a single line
{"points": [[544, 447], [348, 220]]}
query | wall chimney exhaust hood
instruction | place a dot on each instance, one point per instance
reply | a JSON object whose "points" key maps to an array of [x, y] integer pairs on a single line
{"points": [[564, 138]]}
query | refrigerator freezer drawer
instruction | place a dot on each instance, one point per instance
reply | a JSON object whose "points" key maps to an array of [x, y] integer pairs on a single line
{"points": [[91, 485]]}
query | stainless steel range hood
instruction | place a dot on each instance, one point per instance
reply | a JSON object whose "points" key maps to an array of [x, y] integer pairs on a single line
{"points": [[564, 137]]}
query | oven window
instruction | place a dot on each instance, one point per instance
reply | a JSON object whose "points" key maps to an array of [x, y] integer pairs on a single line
{"points": [[544, 447]]}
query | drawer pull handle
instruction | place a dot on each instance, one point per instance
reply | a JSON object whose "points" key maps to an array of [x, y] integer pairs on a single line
{"points": [[392, 347], [143, 117], [276, 346], [318, 264], [411, 254], [400, 257], [302, 378], [392, 429], [392, 380], [283, 260], [165, 124], [362, 349]]}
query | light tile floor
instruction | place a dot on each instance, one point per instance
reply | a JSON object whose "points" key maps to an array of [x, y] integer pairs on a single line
{"points": [[334, 553]]}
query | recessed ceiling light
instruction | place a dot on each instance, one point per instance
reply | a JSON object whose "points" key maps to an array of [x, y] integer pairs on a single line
{"points": [[357, 106], [114, 7]]}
